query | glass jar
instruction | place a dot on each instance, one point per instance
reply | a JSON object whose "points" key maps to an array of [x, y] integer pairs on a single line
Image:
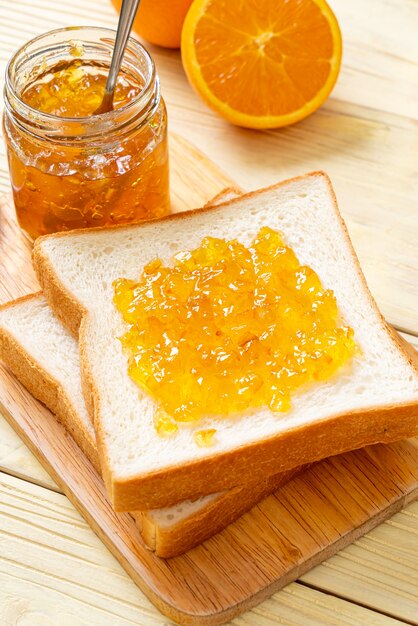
{"points": [[84, 170]]}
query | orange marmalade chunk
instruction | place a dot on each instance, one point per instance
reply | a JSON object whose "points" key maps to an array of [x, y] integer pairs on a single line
{"points": [[204, 438], [229, 328], [76, 89]]}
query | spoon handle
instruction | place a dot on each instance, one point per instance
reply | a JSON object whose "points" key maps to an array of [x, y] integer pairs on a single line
{"points": [[126, 18]]}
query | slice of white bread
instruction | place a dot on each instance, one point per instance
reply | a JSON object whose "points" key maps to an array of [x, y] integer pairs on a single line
{"points": [[375, 399], [43, 355]]}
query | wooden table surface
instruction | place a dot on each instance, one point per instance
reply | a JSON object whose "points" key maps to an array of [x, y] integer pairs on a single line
{"points": [[53, 569]]}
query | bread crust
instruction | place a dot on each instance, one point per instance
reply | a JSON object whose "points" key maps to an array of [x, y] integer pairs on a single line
{"points": [[311, 442], [45, 387], [227, 508], [65, 306], [223, 196]]}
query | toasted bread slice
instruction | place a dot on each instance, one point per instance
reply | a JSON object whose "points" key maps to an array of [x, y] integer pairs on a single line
{"points": [[374, 400], [43, 355]]}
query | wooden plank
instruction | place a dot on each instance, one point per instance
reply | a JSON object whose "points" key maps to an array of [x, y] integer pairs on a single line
{"points": [[412, 339], [380, 570], [16, 458], [55, 571]]}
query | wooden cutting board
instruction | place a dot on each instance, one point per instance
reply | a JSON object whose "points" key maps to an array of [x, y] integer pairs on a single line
{"points": [[307, 521]]}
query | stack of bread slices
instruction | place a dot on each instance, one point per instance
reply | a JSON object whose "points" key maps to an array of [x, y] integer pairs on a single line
{"points": [[62, 344]]}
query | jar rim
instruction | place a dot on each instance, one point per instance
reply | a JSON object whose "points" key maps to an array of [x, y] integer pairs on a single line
{"points": [[98, 122]]}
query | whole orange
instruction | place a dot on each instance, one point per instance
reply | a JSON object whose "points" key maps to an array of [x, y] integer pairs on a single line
{"points": [[160, 21]]}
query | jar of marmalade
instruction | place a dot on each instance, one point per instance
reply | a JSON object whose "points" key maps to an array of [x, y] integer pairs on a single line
{"points": [[70, 168]]}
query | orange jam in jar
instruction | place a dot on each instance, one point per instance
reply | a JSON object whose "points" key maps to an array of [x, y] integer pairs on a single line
{"points": [[70, 168], [227, 328]]}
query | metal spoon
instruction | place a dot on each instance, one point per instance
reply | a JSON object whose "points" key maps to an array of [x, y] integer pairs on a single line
{"points": [[126, 19]]}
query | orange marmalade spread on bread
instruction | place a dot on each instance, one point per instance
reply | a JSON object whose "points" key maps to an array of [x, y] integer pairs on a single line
{"points": [[71, 168], [228, 328]]}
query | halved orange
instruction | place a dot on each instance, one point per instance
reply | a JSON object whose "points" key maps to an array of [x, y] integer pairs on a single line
{"points": [[262, 63]]}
